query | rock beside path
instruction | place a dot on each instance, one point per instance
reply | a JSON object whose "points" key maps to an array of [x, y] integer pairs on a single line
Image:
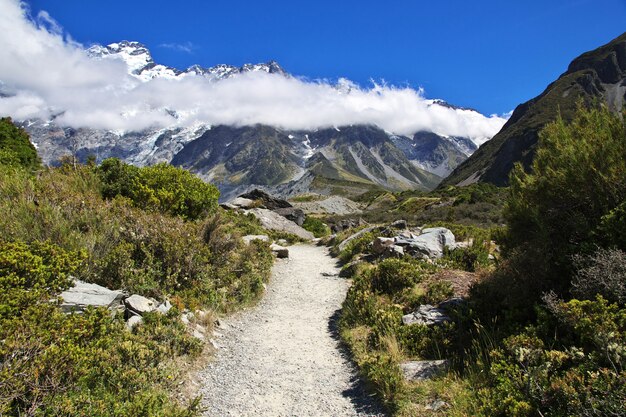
{"points": [[273, 221], [422, 370]]}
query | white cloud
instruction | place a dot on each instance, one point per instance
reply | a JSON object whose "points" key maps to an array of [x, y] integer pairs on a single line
{"points": [[187, 47], [49, 74]]}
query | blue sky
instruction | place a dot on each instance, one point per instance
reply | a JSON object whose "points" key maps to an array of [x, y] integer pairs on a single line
{"points": [[489, 55]]}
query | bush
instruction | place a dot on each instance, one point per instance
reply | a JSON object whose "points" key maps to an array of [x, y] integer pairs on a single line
{"points": [[578, 177], [602, 273], [161, 187], [16, 148], [316, 226], [393, 275]]}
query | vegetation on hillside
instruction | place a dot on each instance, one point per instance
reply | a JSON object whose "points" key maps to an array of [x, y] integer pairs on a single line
{"points": [[153, 231], [543, 331]]}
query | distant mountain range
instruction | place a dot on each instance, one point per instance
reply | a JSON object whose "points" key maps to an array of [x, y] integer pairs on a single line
{"points": [[598, 76], [353, 158]]}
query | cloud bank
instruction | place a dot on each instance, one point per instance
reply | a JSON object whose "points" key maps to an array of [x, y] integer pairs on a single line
{"points": [[44, 73]]}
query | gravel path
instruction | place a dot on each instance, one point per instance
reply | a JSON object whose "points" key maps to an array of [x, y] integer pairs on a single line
{"points": [[282, 358]]}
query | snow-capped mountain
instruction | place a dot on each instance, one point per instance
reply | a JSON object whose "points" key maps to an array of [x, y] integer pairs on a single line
{"points": [[141, 65], [353, 158]]}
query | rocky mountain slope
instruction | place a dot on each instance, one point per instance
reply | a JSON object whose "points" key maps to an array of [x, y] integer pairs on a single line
{"points": [[357, 157], [598, 75]]}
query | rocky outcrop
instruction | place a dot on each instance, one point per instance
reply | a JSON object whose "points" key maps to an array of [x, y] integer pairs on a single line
{"points": [[264, 200], [296, 215], [430, 244], [83, 295], [280, 251], [273, 221]]}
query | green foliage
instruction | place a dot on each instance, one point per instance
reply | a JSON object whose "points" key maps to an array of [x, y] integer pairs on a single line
{"points": [[316, 226], [578, 178], [77, 364], [16, 148], [393, 275], [356, 246], [161, 187], [57, 224], [581, 375]]}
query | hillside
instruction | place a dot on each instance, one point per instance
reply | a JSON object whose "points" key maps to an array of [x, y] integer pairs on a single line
{"points": [[595, 76]]}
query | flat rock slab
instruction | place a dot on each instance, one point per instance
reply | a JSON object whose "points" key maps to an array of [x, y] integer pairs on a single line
{"points": [[83, 294], [426, 315], [422, 370], [274, 221], [280, 251]]}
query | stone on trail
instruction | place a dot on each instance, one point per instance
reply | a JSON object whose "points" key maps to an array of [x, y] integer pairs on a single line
{"points": [[422, 370], [83, 294], [280, 251]]}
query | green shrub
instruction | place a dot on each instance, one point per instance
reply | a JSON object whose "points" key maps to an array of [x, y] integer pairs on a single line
{"points": [[16, 148], [602, 273], [356, 246], [393, 275], [578, 178], [161, 187], [316, 226]]}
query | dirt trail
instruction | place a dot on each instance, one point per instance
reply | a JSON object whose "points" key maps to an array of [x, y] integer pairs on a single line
{"points": [[282, 358]]}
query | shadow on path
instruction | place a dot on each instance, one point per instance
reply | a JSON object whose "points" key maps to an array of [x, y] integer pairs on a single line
{"points": [[358, 394]]}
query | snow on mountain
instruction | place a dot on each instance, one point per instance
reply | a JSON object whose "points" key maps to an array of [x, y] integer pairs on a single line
{"points": [[141, 65]]}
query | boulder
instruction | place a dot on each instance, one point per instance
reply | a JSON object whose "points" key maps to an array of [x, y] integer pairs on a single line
{"points": [[280, 251], [394, 251], [133, 321], [422, 370], [399, 224], [241, 202], [274, 221], [140, 305], [426, 315], [296, 215], [381, 244], [83, 294], [431, 243], [249, 238], [264, 200], [357, 235]]}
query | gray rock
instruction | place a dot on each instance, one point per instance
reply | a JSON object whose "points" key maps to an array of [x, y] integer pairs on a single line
{"points": [[274, 221], [249, 238], [426, 315], [241, 202], [431, 243], [436, 405], [139, 304], [394, 251], [263, 199], [83, 294], [381, 244], [296, 215], [164, 307], [422, 370], [399, 224], [357, 235], [133, 321], [280, 251]]}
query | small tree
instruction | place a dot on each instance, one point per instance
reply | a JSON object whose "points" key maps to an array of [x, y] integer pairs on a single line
{"points": [[578, 177]]}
